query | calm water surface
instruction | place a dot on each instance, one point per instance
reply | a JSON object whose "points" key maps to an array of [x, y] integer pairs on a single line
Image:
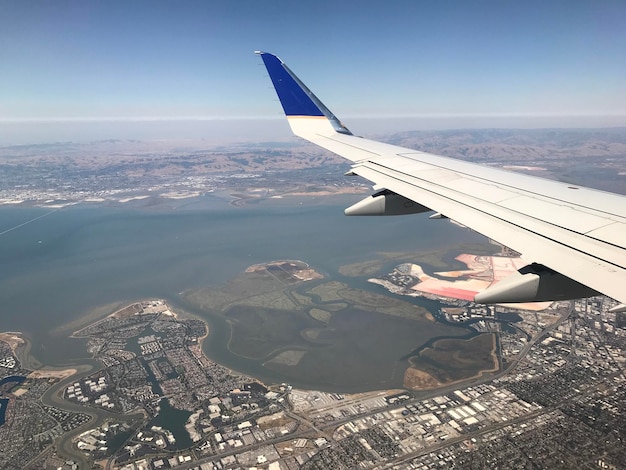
{"points": [[57, 268]]}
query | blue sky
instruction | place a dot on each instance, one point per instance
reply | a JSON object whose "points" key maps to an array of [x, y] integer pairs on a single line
{"points": [[155, 59]]}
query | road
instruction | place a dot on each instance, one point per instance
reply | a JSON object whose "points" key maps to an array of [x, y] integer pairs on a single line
{"points": [[65, 445], [327, 429]]}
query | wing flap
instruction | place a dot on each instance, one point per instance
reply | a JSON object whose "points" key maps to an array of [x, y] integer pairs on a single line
{"points": [[613, 233], [569, 217]]}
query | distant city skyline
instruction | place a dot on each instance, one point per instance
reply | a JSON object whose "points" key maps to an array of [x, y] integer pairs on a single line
{"points": [[455, 62]]}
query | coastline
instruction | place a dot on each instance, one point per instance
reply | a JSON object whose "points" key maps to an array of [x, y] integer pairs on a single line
{"points": [[21, 346], [121, 308]]}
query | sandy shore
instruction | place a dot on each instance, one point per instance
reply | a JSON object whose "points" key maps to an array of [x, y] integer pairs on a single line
{"points": [[52, 374], [12, 339], [20, 346]]}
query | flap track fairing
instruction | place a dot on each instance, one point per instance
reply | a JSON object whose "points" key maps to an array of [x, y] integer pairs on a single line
{"points": [[534, 283], [386, 202]]}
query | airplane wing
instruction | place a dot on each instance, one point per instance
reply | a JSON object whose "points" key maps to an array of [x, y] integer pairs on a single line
{"points": [[573, 237]]}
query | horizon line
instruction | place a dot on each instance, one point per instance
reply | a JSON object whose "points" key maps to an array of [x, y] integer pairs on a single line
{"points": [[8, 120]]}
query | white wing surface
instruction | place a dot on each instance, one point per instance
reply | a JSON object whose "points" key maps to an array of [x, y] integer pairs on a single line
{"points": [[574, 237]]}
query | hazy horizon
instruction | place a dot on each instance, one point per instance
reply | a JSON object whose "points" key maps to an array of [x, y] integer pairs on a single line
{"points": [[223, 131]]}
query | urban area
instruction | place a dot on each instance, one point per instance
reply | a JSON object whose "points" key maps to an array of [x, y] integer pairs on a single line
{"points": [[558, 402]]}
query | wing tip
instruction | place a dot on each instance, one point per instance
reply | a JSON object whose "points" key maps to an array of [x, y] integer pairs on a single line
{"points": [[264, 53], [294, 96]]}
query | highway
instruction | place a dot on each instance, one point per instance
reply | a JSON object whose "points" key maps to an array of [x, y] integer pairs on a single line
{"points": [[327, 430]]}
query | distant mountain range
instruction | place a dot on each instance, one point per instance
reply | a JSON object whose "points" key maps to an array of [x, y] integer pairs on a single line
{"points": [[589, 157], [517, 146]]}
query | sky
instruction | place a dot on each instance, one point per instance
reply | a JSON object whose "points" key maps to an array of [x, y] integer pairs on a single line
{"points": [[437, 62]]}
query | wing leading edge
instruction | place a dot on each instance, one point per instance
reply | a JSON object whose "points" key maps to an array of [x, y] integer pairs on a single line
{"points": [[574, 237]]}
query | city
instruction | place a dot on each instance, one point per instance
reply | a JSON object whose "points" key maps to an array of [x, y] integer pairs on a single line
{"points": [[557, 403]]}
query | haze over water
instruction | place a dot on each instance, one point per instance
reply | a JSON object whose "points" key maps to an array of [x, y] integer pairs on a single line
{"points": [[57, 268]]}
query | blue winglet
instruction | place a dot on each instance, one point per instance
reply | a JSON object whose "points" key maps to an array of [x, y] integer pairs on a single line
{"points": [[295, 98]]}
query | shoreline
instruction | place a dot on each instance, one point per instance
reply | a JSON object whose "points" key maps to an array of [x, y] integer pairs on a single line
{"points": [[175, 308], [21, 346], [54, 395], [139, 199]]}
